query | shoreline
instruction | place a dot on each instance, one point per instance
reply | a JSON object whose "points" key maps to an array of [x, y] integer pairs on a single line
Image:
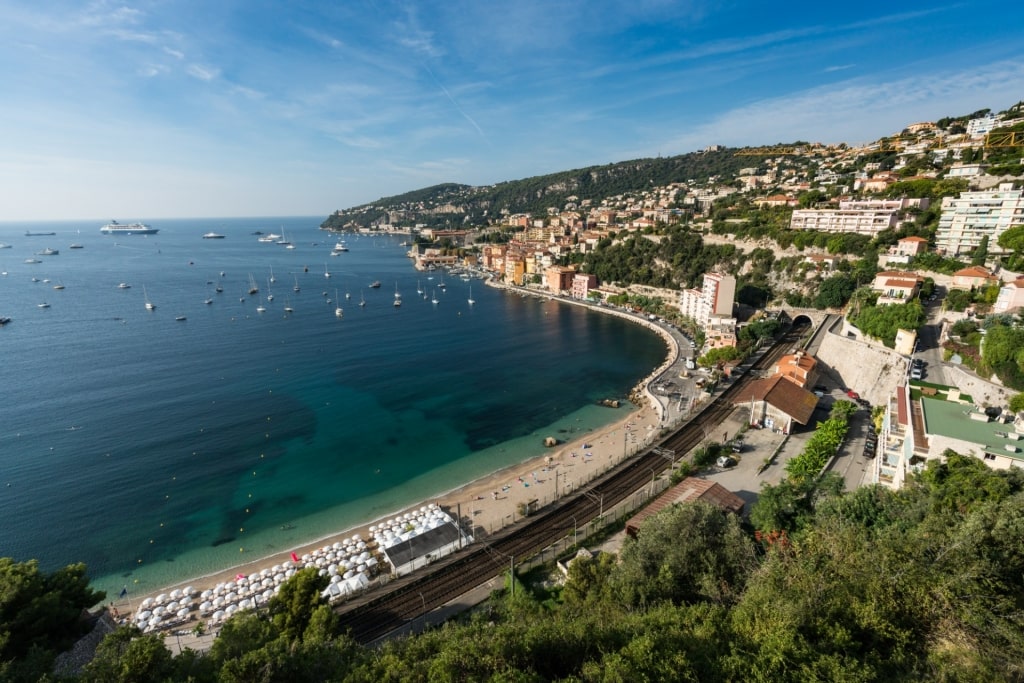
{"points": [[493, 500], [567, 466]]}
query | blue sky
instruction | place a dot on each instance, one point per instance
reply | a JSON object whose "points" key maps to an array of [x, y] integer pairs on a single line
{"points": [[162, 108]]}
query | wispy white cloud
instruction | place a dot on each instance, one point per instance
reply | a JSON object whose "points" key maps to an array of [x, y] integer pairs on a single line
{"points": [[839, 67], [858, 110], [203, 73]]}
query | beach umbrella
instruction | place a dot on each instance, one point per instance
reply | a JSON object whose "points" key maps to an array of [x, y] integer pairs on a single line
{"points": [[218, 602], [154, 622], [162, 598], [190, 590], [361, 568], [267, 594], [218, 615], [230, 609], [335, 578], [144, 615], [289, 574], [172, 605], [279, 578], [205, 595], [245, 604], [322, 572], [183, 613], [175, 594], [146, 603], [158, 610], [231, 597], [337, 545], [205, 607], [333, 569], [349, 574], [372, 562]]}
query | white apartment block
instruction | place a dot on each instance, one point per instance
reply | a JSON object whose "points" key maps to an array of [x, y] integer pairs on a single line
{"points": [[973, 215], [863, 217], [713, 300], [981, 126]]}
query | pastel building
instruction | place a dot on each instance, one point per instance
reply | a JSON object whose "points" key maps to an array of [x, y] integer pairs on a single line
{"points": [[1011, 296], [862, 217], [712, 301]]}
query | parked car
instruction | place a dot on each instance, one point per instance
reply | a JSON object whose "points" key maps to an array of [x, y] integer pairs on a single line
{"points": [[737, 446], [725, 461], [917, 373]]}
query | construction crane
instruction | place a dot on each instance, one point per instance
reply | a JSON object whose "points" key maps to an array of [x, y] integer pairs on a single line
{"points": [[1004, 138]]}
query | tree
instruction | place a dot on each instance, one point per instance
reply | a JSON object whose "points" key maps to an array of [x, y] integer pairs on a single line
{"points": [[1017, 402], [41, 611], [834, 292], [687, 553], [128, 656], [980, 254], [294, 605]]}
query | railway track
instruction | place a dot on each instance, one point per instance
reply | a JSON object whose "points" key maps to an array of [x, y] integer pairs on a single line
{"points": [[380, 612]]}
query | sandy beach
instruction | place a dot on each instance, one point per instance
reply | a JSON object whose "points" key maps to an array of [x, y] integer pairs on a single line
{"points": [[487, 504]]}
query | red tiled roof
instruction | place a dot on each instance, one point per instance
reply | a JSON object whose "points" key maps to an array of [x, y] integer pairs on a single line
{"points": [[902, 284], [912, 239], [782, 394], [973, 271]]}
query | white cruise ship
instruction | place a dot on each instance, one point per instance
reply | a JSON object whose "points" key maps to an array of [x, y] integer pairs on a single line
{"points": [[115, 228]]}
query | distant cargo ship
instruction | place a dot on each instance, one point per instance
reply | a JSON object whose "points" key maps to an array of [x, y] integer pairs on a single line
{"points": [[115, 228], [38, 234]]}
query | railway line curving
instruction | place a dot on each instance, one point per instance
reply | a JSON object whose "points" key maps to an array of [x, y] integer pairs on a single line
{"points": [[378, 613]]}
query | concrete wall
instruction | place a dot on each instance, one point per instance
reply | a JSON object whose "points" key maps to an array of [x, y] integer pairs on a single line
{"points": [[983, 392], [873, 371]]}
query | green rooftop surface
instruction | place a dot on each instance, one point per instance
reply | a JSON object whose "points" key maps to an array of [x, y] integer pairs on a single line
{"points": [[953, 420]]}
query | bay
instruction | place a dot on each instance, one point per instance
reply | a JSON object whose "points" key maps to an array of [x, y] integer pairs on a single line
{"points": [[155, 449]]}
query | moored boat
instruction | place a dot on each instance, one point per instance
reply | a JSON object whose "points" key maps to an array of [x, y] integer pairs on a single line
{"points": [[213, 236]]}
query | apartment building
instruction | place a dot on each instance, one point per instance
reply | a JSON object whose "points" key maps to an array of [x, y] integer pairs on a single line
{"points": [[966, 219], [862, 217], [713, 300]]}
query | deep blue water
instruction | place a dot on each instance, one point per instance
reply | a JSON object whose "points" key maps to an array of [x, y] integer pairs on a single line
{"points": [[155, 450]]}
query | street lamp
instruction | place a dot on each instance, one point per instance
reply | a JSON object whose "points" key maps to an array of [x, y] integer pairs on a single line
{"points": [[575, 538]]}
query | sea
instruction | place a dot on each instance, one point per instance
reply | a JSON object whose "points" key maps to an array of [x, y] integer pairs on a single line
{"points": [[160, 446]]}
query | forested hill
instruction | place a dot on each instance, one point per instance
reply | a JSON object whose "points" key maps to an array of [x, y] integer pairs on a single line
{"points": [[456, 205]]}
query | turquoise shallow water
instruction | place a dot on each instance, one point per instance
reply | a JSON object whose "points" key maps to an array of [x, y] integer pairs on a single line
{"points": [[157, 450]]}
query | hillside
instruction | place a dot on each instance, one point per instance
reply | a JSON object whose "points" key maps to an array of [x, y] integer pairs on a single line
{"points": [[454, 204]]}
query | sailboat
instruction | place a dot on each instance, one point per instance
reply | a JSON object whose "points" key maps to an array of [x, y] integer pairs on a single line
{"points": [[261, 308], [434, 300], [471, 300], [253, 289], [441, 284], [419, 288], [150, 306], [397, 294], [270, 295], [362, 300], [287, 306], [296, 287], [272, 279], [348, 294], [337, 310], [326, 272]]}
